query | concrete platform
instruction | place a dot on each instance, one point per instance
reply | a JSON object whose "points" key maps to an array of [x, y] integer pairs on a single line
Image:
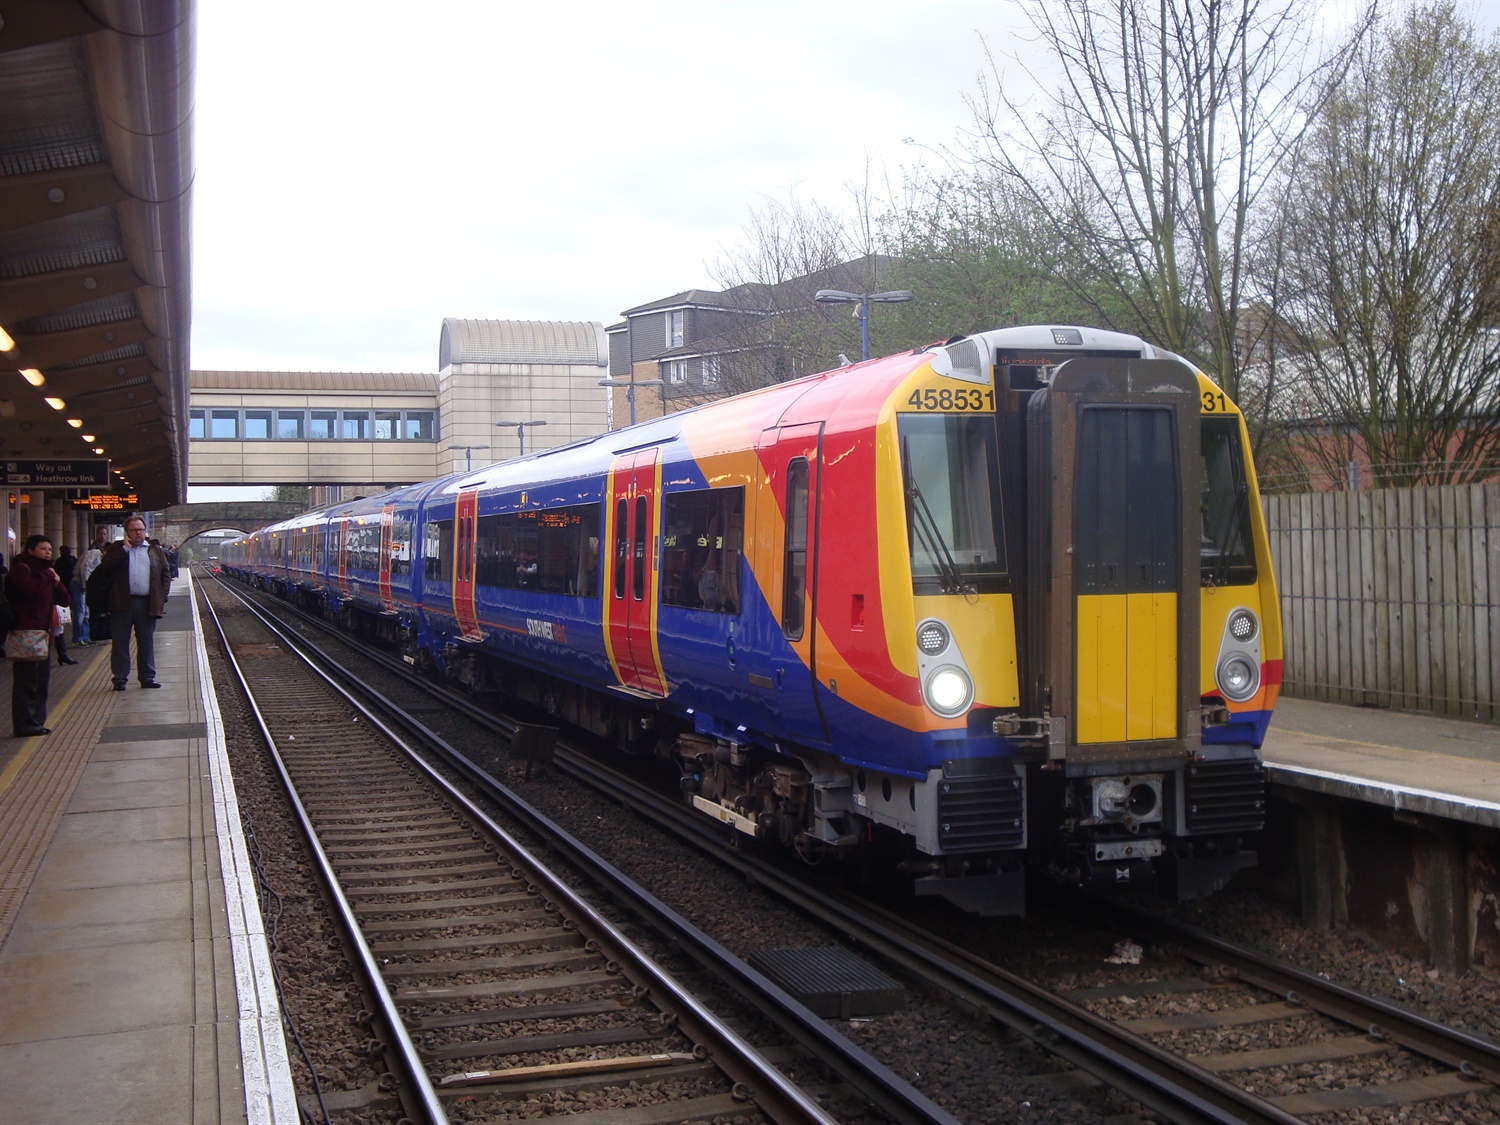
{"points": [[1445, 768], [135, 983]]}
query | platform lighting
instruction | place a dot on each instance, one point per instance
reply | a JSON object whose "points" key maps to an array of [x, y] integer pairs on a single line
{"points": [[56, 403], [6, 343], [468, 454], [520, 428], [76, 423], [33, 376], [89, 438], [630, 385], [99, 451], [864, 301]]}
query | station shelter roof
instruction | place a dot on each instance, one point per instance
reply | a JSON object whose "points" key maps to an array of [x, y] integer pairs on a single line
{"points": [[563, 342], [96, 174]]}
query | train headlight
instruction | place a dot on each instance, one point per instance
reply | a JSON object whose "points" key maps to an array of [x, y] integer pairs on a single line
{"points": [[1238, 677], [949, 691], [1243, 626], [932, 637]]}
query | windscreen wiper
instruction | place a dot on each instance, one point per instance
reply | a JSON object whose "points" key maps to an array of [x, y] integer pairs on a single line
{"points": [[1232, 520], [927, 530]]}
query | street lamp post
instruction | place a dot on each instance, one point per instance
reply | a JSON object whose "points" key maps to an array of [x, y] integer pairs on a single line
{"points": [[864, 301], [520, 428], [468, 454], [630, 385]]}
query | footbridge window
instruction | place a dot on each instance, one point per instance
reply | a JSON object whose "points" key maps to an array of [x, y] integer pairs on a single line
{"points": [[311, 425]]}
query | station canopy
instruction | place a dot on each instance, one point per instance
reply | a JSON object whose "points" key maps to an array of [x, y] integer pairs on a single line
{"points": [[96, 173]]}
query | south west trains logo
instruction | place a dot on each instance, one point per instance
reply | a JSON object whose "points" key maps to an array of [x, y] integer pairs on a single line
{"points": [[547, 630]]}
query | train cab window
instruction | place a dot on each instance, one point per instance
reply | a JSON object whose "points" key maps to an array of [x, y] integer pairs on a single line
{"points": [[642, 525], [702, 533], [1226, 553], [794, 569], [622, 546], [437, 551], [949, 474]]}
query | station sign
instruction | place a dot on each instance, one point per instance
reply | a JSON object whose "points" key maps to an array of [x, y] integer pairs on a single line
{"points": [[86, 472]]}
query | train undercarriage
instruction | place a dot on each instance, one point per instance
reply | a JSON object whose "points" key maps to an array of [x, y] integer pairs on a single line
{"points": [[966, 834]]}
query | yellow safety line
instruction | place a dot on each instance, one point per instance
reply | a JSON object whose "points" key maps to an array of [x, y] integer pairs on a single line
{"points": [[29, 747]]}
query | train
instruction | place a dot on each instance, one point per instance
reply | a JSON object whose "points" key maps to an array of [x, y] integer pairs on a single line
{"points": [[992, 609]]}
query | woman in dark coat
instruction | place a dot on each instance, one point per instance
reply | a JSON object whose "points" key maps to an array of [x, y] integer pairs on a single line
{"points": [[33, 588]]}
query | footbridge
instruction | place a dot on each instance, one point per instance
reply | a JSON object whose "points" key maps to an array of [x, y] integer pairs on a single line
{"points": [[179, 523]]}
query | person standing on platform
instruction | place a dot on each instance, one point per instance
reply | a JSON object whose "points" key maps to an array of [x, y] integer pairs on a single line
{"points": [[86, 564], [139, 579], [33, 588], [66, 564], [95, 598]]}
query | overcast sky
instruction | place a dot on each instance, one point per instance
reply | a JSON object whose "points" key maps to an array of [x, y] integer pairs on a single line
{"points": [[366, 169]]}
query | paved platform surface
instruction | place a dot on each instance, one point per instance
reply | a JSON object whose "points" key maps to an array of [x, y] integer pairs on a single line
{"points": [[134, 981], [1418, 763]]}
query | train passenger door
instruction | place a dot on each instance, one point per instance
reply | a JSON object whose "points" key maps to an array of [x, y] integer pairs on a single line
{"points": [[787, 535], [387, 519], [465, 519], [630, 597], [341, 568]]}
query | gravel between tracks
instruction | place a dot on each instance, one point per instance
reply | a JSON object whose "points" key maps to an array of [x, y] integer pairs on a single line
{"points": [[959, 1061]]}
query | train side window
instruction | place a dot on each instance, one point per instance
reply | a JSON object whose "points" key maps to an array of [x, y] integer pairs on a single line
{"points": [[549, 550], [642, 522], [794, 569], [437, 551], [400, 547], [702, 532], [622, 546]]}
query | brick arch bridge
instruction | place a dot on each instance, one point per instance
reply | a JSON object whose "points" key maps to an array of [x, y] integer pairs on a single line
{"points": [[179, 523]]}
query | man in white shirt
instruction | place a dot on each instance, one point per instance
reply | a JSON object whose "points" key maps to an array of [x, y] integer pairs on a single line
{"points": [[140, 578]]}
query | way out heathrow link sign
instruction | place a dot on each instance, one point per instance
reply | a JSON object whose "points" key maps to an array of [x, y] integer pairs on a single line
{"points": [[84, 473]]}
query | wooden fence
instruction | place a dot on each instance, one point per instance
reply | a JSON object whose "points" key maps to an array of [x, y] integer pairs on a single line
{"points": [[1391, 597]]}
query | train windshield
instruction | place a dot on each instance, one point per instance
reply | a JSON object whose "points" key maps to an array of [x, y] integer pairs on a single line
{"points": [[949, 475], [1226, 553]]}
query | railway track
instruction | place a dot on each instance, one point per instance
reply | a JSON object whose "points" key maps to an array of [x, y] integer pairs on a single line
{"points": [[1113, 1024], [489, 978]]}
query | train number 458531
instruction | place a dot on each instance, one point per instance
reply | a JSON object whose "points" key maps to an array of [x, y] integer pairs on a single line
{"points": [[949, 398]]}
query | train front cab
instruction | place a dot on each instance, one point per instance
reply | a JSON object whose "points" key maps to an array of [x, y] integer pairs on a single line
{"points": [[1152, 635]]}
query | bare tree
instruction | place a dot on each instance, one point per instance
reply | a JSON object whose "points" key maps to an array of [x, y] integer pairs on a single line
{"points": [[1151, 153], [787, 252], [1391, 225]]}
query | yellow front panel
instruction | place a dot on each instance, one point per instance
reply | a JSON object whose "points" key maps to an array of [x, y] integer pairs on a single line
{"points": [[1127, 667], [1101, 668], [1152, 674]]}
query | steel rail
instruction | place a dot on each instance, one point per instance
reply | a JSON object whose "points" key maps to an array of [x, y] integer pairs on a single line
{"points": [[1469, 1054], [771, 1091], [1123, 1060], [408, 1056], [1167, 1083]]}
